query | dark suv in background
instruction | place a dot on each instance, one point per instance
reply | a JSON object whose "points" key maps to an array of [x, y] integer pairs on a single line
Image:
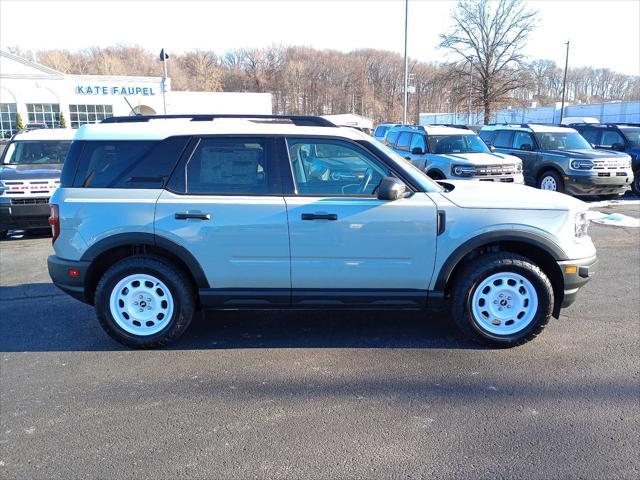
{"points": [[560, 159], [616, 137]]}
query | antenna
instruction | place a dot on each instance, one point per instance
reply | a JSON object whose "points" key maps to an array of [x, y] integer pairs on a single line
{"points": [[132, 110]]}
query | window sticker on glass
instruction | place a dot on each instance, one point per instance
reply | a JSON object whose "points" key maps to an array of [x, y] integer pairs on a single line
{"points": [[222, 166]]}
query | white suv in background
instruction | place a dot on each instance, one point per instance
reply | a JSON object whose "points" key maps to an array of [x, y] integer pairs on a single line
{"points": [[453, 153], [30, 168], [157, 217]]}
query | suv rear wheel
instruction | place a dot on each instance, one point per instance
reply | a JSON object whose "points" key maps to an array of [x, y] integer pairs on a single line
{"points": [[502, 299], [635, 186], [144, 302], [550, 180]]}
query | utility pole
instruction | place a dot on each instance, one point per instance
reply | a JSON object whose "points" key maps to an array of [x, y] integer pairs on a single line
{"points": [[163, 59], [470, 90], [564, 81], [406, 62]]}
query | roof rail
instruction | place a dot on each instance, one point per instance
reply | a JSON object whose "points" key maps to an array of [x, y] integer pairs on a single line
{"points": [[298, 120], [450, 125]]}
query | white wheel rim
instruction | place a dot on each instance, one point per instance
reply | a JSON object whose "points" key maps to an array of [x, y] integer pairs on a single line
{"points": [[141, 304], [504, 303], [549, 183]]}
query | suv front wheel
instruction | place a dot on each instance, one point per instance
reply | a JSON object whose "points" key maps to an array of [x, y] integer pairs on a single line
{"points": [[144, 302], [551, 180], [502, 299]]}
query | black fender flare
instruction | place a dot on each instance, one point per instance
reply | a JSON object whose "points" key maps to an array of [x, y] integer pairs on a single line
{"points": [[459, 253], [139, 238]]}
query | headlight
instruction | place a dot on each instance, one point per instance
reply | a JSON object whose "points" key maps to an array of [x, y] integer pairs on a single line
{"points": [[463, 171], [582, 224], [519, 167], [581, 164]]}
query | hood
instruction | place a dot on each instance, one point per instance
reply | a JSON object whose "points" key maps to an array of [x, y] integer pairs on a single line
{"points": [[588, 154], [30, 171], [480, 159], [512, 196]]}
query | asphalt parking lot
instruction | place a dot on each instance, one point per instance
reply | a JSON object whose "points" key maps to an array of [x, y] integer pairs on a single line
{"points": [[320, 395]]}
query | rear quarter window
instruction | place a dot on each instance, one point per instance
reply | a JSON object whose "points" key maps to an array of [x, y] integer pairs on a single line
{"points": [[125, 163]]}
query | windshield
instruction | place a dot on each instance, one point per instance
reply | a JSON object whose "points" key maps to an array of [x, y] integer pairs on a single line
{"points": [[562, 141], [443, 144], [633, 136], [36, 152]]}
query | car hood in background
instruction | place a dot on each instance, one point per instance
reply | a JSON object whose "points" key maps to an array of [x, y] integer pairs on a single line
{"points": [[480, 159], [588, 154], [30, 171], [467, 194]]}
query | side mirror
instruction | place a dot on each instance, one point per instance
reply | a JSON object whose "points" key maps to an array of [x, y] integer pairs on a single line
{"points": [[417, 151], [526, 147], [618, 146], [390, 188], [492, 148]]}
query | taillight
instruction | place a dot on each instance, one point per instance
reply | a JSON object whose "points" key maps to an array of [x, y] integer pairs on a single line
{"points": [[54, 221]]}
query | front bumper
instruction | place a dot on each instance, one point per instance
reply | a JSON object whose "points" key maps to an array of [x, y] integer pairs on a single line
{"points": [[508, 178], [599, 183], [576, 278], [23, 216], [61, 278]]}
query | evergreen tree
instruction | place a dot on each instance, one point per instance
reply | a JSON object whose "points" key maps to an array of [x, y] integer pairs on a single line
{"points": [[63, 121], [19, 125]]}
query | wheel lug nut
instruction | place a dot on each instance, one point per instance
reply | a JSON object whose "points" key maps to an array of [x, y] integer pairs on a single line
{"points": [[142, 309], [500, 308], [135, 303], [495, 302]]}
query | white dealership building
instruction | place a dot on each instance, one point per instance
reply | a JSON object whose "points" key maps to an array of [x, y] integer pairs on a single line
{"points": [[41, 94]]}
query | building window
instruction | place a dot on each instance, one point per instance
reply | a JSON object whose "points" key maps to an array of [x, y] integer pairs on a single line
{"points": [[8, 119], [82, 114], [47, 113]]}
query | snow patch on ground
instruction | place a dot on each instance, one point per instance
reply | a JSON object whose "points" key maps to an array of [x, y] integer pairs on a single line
{"points": [[613, 219]]}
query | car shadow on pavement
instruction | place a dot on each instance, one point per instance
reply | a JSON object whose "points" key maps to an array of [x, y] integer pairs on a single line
{"points": [[38, 317]]}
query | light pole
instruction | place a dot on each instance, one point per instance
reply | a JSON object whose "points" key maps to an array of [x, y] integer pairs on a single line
{"points": [[564, 81], [163, 59], [470, 90], [406, 63]]}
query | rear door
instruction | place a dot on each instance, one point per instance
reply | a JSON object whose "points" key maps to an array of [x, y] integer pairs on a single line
{"points": [[347, 247], [524, 146], [224, 204]]}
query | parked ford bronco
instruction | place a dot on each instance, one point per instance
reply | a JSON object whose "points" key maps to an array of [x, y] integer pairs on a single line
{"points": [[157, 217], [30, 168], [457, 153], [561, 160]]}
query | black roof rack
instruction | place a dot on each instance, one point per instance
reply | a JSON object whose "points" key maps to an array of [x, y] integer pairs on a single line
{"points": [[450, 125], [298, 120]]}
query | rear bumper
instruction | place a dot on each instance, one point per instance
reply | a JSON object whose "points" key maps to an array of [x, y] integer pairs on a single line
{"points": [[617, 181], [59, 273], [35, 215], [585, 269]]}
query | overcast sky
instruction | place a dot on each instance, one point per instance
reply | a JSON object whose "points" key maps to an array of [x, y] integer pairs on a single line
{"points": [[603, 33]]}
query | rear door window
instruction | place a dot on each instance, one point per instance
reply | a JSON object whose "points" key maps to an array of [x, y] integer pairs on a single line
{"points": [[503, 139], [231, 166], [591, 135], [522, 138], [391, 138]]}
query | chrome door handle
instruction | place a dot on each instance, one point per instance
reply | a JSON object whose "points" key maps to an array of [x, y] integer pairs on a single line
{"points": [[197, 216], [319, 216]]}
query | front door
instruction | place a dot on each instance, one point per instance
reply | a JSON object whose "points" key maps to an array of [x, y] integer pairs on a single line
{"points": [[347, 247], [225, 206]]}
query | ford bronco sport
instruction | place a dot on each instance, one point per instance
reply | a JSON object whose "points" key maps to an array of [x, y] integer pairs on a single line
{"points": [[157, 217], [30, 168], [456, 153], [560, 159]]}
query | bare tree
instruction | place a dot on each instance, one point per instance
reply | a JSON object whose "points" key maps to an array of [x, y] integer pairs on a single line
{"points": [[493, 35]]}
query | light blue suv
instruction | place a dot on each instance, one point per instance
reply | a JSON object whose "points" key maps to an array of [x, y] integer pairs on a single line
{"points": [[157, 217]]}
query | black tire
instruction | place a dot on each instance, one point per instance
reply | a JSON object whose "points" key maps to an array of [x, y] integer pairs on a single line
{"points": [[475, 272], [179, 285], [3, 234], [610, 196], [556, 177], [635, 186]]}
